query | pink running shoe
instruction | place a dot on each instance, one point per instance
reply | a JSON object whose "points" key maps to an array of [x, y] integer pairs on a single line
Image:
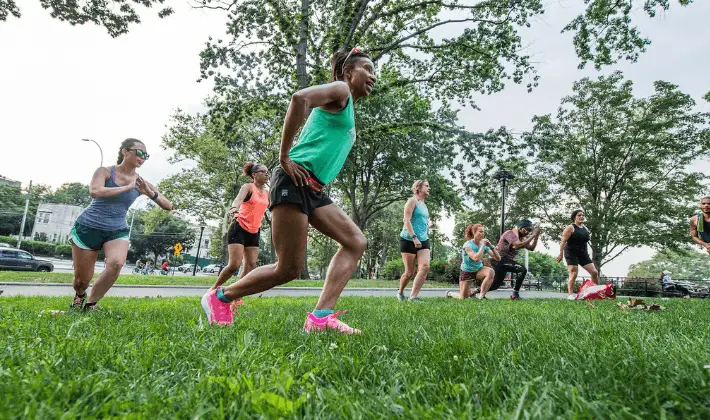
{"points": [[313, 323], [217, 311]]}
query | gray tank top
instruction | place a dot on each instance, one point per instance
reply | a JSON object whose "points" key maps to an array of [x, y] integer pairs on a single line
{"points": [[109, 213]]}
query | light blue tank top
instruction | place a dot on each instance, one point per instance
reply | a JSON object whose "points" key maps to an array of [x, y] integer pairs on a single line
{"points": [[109, 213], [420, 223], [467, 264]]}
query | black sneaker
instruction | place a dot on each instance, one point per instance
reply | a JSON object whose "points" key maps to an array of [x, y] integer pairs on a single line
{"points": [[78, 302], [473, 293], [515, 296]]}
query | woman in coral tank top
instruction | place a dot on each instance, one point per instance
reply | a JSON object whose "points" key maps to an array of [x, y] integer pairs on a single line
{"points": [[247, 212]]}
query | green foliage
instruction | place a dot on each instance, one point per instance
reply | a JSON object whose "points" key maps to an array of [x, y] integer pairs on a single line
{"points": [[624, 160], [150, 351], [63, 250], [605, 33], [74, 193], [218, 246], [12, 207], [682, 263], [8, 240], [541, 264], [39, 248], [114, 15], [394, 269], [157, 231]]}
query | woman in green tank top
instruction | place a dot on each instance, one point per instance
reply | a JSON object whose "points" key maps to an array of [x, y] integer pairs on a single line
{"points": [[297, 197], [414, 241]]}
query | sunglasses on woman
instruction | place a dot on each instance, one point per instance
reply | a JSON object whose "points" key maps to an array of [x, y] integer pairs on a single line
{"points": [[140, 153]]}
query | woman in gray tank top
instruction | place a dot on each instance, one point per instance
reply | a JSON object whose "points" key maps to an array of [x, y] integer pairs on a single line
{"points": [[102, 225]]}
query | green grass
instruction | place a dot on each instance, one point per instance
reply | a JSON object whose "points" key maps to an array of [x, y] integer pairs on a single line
{"points": [[34, 277], [154, 358]]}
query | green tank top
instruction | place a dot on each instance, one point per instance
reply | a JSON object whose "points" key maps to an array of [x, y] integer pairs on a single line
{"points": [[325, 142], [420, 223]]}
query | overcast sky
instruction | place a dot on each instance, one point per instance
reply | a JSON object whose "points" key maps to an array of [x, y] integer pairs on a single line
{"points": [[59, 84]]}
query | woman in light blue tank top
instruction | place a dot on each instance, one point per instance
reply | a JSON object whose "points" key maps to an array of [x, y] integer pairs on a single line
{"points": [[102, 225], [414, 240]]}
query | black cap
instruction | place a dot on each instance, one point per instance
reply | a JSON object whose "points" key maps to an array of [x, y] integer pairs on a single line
{"points": [[525, 224]]}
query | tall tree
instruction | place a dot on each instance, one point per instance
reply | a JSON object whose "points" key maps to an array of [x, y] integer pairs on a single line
{"points": [[74, 193], [12, 208], [683, 263], [624, 161], [157, 231], [114, 15]]}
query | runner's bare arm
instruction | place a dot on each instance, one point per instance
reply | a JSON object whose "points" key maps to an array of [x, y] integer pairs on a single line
{"points": [[149, 190], [408, 210], [565, 237], [239, 199]]}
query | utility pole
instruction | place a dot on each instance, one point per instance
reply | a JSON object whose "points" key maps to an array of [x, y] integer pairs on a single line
{"points": [[503, 176], [24, 216], [197, 257]]}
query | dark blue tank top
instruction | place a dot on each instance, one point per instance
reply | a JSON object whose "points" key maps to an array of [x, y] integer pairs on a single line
{"points": [[109, 213]]}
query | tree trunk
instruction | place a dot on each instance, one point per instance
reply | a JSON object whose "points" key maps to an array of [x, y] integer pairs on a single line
{"points": [[302, 47]]}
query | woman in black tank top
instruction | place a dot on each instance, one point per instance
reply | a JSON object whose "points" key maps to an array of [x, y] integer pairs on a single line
{"points": [[574, 242]]}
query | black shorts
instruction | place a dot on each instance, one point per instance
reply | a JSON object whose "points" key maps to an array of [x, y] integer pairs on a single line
{"points": [[237, 235], [574, 257], [284, 191], [470, 276], [407, 247]]}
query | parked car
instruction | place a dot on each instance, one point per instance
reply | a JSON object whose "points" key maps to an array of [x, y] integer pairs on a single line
{"points": [[4, 245], [186, 268], [18, 260], [212, 268]]}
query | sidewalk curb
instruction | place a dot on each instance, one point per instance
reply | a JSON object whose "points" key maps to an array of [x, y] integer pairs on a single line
{"points": [[161, 286]]}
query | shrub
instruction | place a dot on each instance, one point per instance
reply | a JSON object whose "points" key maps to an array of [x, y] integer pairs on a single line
{"points": [[39, 248], [8, 240], [63, 251], [639, 286], [394, 269]]}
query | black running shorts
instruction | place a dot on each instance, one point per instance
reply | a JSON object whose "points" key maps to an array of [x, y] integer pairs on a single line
{"points": [[407, 247], [237, 235], [574, 257], [284, 191]]}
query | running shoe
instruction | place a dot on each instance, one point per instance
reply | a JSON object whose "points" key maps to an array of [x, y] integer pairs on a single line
{"points": [[90, 307], [448, 293], [328, 322], [415, 299], [515, 296], [78, 302], [572, 297], [217, 311], [401, 297], [474, 292]]}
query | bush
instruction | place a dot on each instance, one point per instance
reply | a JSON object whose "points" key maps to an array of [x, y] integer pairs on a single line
{"points": [[394, 269], [63, 251], [8, 240], [453, 269], [437, 270], [39, 248], [639, 286]]}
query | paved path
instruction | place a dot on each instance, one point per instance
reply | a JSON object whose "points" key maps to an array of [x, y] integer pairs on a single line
{"points": [[54, 289]]}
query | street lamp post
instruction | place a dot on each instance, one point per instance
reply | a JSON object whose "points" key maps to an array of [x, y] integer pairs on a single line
{"points": [[99, 146], [503, 177], [197, 258]]}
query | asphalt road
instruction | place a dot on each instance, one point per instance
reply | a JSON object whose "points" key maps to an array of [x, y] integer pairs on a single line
{"points": [[35, 289]]}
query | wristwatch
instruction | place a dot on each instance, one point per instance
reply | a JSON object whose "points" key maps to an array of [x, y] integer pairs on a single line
{"points": [[415, 236]]}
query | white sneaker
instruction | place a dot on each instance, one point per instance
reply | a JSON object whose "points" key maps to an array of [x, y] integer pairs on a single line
{"points": [[572, 297], [401, 297]]}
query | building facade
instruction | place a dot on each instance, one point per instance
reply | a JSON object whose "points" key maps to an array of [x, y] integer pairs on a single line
{"points": [[54, 222], [8, 181]]}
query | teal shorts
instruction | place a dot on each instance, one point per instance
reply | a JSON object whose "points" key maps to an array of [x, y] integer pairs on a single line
{"points": [[94, 239]]}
